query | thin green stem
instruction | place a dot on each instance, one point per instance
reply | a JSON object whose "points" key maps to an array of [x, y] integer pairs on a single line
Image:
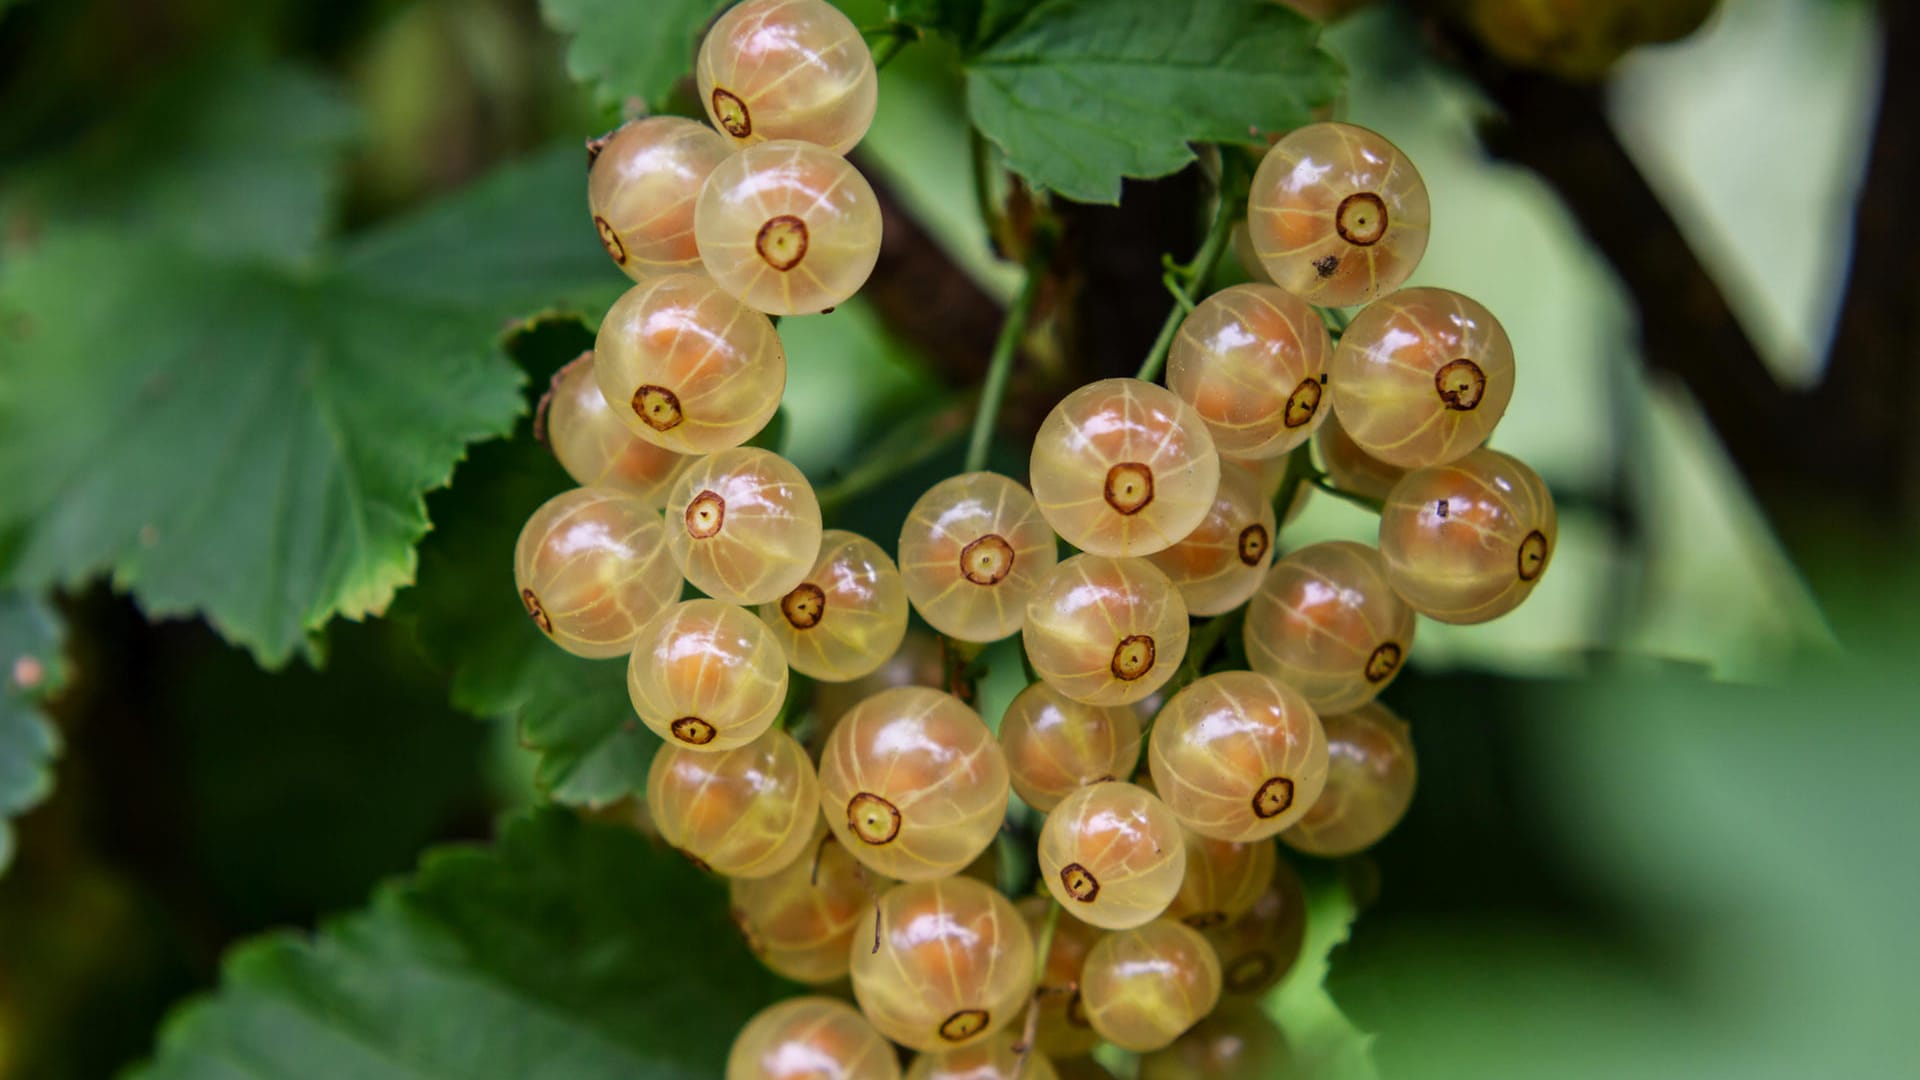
{"points": [[1193, 277], [1335, 320], [918, 438], [1000, 366], [1043, 947], [1172, 283], [1364, 502]]}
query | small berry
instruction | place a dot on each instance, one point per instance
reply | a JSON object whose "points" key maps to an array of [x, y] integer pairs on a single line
{"points": [[707, 675], [788, 228], [595, 445], [1223, 880], [1424, 375], [1221, 562], [1237, 756], [807, 1038], [998, 1058], [972, 551], [1351, 468], [1337, 214], [1112, 855], [1466, 542], [847, 617], [1146, 986], [642, 187], [1370, 778], [1105, 631], [1124, 467], [801, 920], [1327, 623], [1056, 745], [746, 812], [1257, 949], [592, 567], [950, 963], [1252, 360], [744, 525], [788, 69], [1237, 1041]]}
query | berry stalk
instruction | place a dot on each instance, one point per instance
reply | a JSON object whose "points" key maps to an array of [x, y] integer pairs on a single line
{"points": [[1000, 365], [1185, 281]]}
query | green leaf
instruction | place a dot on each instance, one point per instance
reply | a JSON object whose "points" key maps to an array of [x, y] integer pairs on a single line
{"points": [[231, 157], [251, 443], [631, 48], [31, 670], [568, 950], [1081, 93], [1325, 1042]]}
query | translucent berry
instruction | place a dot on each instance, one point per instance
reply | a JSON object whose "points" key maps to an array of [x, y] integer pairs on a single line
{"points": [[918, 662], [809, 1038], [1370, 778], [801, 920], [1237, 756], [1466, 542], [743, 525], [707, 675], [789, 228], [642, 186], [1056, 745], [1351, 468], [1424, 375], [1105, 631], [1124, 467], [1144, 987], [849, 614], [788, 69], [1112, 855], [913, 784], [1218, 565], [592, 567], [746, 812], [1327, 623], [995, 1059], [1257, 949], [1252, 360], [1063, 1030], [972, 551], [950, 963], [1338, 215], [1223, 880], [594, 444], [687, 367], [1236, 1041]]}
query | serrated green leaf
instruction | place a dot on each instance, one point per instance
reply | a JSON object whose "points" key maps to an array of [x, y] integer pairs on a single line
{"points": [[233, 157], [31, 670], [1325, 1043], [628, 49], [568, 951], [1080, 94], [252, 444]]}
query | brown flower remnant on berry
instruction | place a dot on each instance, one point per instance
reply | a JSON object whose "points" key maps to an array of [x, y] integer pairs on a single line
{"points": [[534, 609], [1460, 384], [1133, 657], [657, 407], [1361, 219], [1129, 487], [733, 115], [1273, 798], [805, 606], [1080, 882], [692, 730], [705, 515], [987, 560], [872, 818], [782, 242]]}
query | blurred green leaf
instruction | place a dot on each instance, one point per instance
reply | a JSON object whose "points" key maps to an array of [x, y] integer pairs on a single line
{"points": [[626, 49], [567, 950], [1082, 93], [252, 444], [31, 670], [573, 713], [1325, 1043], [970, 23], [231, 157]]}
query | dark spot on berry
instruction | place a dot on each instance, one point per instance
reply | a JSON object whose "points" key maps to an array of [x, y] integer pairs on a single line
{"points": [[1250, 972], [657, 407], [1440, 508], [1205, 920], [1302, 403], [805, 606], [1326, 265], [873, 819], [1273, 798]]}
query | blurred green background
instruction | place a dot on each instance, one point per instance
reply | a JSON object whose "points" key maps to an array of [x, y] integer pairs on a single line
{"points": [[1665, 826]]}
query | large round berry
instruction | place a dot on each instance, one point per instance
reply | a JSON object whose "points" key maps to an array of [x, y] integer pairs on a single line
{"points": [[788, 228], [746, 812], [972, 551], [1351, 468], [1112, 855], [592, 566], [1337, 215], [913, 783], [744, 525], [950, 963], [1223, 880], [1257, 949], [1105, 631], [595, 445], [1424, 375], [808, 1038], [801, 920], [707, 675], [1252, 360], [1144, 987], [1370, 778], [1327, 623], [1221, 562], [1124, 467], [1467, 541], [687, 367], [1056, 745], [1238, 756], [847, 617], [642, 187], [788, 69], [1236, 1041]]}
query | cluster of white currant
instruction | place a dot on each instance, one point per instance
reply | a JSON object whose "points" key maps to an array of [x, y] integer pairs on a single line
{"points": [[852, 859]]}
